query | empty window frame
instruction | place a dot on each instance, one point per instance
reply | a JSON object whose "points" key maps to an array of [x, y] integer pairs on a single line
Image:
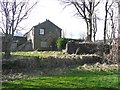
{"points": [[42, 31]]}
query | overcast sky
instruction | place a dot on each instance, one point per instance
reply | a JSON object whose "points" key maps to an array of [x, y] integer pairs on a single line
{"points": [[73, 26]]}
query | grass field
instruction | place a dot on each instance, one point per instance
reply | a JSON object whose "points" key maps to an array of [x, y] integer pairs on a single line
{"points": [[86, 77], [88, 81]]}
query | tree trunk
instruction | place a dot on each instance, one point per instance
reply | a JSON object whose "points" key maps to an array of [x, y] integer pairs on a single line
{"points": [[94, 27], [8, 42], [88, 30], [7, 50], [7, 53], [90, 22], [94, 37], [105, 22]]}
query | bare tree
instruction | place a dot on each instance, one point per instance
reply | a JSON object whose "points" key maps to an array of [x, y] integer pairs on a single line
{"points": [[13, 13], [94, 26], [108, 5], [113, 23], [113, 56], [85, 9]]}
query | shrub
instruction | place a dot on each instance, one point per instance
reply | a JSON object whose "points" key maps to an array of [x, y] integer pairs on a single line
{"points": [[61, 43]]}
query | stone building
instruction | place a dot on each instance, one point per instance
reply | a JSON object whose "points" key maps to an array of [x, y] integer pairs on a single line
{"points": [[44, 35]]}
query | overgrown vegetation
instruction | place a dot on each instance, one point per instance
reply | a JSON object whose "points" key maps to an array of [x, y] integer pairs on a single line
{"points": [[87, 77], [46, 54], [29, 61], [83, 77], [61, 43]]}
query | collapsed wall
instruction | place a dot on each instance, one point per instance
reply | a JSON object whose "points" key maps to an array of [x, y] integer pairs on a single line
{"points": [[81, 47], [28, 64]]}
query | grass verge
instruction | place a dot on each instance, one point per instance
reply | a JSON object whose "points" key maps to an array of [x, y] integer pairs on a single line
{"points": [[86, 81]]}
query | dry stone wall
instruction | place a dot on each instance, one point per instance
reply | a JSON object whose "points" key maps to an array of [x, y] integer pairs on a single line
{"points": [[81, 47], [29, 64]]}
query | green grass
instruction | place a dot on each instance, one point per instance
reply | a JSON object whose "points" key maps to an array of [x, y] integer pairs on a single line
{"points": [[86, 77], [47, 54], [44, 54], [87, 81]]}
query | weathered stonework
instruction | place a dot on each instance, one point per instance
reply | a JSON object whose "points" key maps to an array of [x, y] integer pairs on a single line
{"points": [[47, 40], [81, 47]]}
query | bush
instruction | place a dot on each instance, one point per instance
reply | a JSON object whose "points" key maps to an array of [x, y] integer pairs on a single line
{"points": [[61, 43]]}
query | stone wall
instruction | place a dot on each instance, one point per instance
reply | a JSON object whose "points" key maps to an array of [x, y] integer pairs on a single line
{"points": [[81, 47], [20, 64], [25, 47]]}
